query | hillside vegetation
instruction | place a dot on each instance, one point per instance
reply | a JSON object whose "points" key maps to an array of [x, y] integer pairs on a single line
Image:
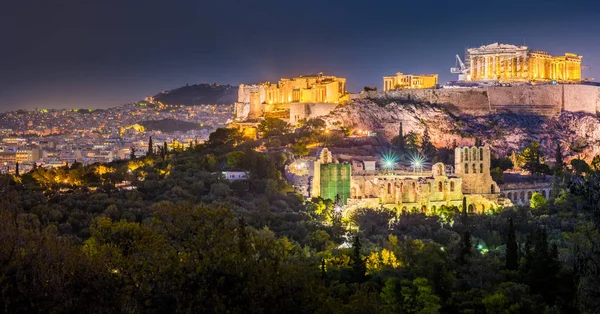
{"points": [[183, 239]]}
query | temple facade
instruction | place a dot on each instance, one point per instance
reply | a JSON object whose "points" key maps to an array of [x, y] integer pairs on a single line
{"points": [[401, 80], [254, 100], [510, 63]]}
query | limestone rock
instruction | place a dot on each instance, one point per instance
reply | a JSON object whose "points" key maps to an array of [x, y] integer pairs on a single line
{"points": [[503, 133]]}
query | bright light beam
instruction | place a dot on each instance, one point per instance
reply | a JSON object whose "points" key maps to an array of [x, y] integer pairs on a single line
{"points": [[389, 160], [417, 161]]}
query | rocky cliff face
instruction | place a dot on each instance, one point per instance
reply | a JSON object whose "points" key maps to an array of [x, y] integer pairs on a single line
{"points": [[503, 132]]}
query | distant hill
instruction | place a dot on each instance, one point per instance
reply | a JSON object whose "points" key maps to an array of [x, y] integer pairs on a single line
{"points": [[169, 125], [199, 94]]}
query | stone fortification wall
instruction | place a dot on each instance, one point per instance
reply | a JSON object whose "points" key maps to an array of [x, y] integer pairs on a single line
{"points": [[299, 111], [473, 100], [546, 100], [582, 98]]}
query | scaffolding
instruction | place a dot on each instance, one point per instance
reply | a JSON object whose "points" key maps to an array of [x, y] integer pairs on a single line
{"points": [[335, 182]]}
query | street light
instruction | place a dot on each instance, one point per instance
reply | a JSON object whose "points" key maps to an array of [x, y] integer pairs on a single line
{"points": [[388, 160], [417, 161]]}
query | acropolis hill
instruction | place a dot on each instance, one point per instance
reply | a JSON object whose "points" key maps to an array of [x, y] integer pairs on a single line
{"points": [[494, 79]]}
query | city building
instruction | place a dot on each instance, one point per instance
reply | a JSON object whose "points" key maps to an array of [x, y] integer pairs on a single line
{"points": [[510, 63], [401, 80], [8, 158], [235, 175]]}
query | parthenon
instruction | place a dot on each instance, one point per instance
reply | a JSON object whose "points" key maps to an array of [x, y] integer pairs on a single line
{"points": [[502, 62]]}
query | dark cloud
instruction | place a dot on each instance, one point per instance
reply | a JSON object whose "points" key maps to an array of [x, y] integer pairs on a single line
{"points": [[72, 53]]}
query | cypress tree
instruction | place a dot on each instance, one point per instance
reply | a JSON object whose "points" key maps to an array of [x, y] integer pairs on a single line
{"points": [[17, 169], [165, 148], [464, 214], [400, 138], [465, 248], [512, 258], [558, 156], [150, 147], [359, 267]]}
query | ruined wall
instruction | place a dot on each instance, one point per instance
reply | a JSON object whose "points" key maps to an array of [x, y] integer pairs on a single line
{"points": [[546, 100], [299, 111]]}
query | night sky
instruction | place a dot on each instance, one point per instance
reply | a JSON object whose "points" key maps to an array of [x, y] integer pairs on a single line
{"points": [[99, 54]]}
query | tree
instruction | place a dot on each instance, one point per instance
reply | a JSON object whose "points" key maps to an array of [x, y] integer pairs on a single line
{"points": [[537, 200], [497, 175], [391, 295], [427, 147], [234, 158], [399, 140], [541, 267], [224, 136], [150, 151], [465, 247], [596, 163], [418, 297], [531, 158], [370, 89], [132, 152], [299, 148], [512, 258], [558, 156], [580, 166], [359, 267], [274, 127], [504, 164], [315, 124], [412, 141], [17, 169], [511, 297]]}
